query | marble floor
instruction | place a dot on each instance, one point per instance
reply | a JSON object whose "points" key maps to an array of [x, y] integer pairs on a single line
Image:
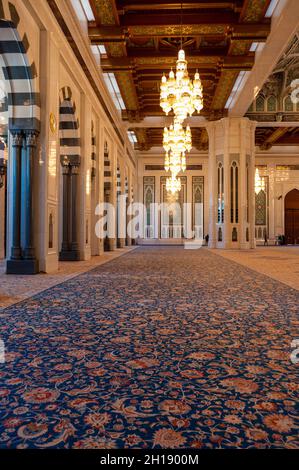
{"points": [[160, 348], [279, 262]]}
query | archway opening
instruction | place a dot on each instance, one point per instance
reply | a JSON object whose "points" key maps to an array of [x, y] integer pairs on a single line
{"points": [[70, 162], [291, 206], [20, 126]]}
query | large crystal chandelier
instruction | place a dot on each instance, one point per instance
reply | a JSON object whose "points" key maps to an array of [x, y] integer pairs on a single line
{"points": [[182, 95], [176, 142], [259, 183], [176, 139], [179, 93], [175, 163]]}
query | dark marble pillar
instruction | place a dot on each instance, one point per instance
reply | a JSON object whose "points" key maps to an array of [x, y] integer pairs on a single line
{"points": [[31, 141], [74, 211], [65, 210], [24, 150], [70, 247], [17, 143]]}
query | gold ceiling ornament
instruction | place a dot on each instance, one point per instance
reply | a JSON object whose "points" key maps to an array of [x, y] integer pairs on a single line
{"points": [[52, 121], [179, 93], [105, 11], [223, 89], [176, 142], [177, 30], [259, 183], [255, 11], [196, 60]]}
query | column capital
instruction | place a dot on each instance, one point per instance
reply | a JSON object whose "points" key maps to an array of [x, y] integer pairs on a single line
{"points": [[17, 138], [31, 138], [74, 170]]}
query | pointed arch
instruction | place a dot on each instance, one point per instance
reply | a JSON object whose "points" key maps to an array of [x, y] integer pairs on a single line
{"points": [[107, 167], [23, 102], [291, 206], [68, 128]]}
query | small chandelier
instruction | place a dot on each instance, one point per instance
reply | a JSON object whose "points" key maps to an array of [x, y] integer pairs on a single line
{"points": [[173, 184], [179, 93], [175, 163], [259, 183]]}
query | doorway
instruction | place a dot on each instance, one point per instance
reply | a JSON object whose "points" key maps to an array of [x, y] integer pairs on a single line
{"points": [[291, 207]]}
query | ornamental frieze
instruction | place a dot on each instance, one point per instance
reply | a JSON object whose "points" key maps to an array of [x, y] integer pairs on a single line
{"points": [[224, 87], [177, 30], [105, 11], [255, 11]]}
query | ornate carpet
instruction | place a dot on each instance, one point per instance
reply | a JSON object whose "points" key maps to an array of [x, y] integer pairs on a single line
{"points": [[161, 348]]}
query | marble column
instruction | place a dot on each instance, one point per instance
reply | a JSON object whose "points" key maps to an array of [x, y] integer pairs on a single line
{"points": [[17, 144], [232, 147], [24, 151], [31, 141], [74, 245], [212, 185], [70, 247], [65, 211]]}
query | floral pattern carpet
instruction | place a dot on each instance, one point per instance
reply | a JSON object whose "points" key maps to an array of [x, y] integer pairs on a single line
{"points": [[161, 348]]}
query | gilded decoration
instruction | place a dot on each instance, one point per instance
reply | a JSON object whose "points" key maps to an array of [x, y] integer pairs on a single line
{"points": [[239, 47], [105, 11], [126, 85], [273, 103], [176, 30], [224, 87], [172, 60], [52, 122], [115, 49]]}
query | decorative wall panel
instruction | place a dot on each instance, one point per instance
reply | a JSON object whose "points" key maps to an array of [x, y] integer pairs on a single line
{"points": [[261, 211], [198, 205], [148, 199], [172, 213]]}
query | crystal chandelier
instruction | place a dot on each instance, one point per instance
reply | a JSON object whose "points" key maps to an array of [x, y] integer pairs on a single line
{"points": [[182, 95], [176, 140], [175, 163], [179, 93], [259, 183], [173, 184]]}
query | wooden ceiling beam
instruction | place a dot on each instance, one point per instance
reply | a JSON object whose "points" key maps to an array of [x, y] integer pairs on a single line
{"points": [[128, 61], [170, 18], [137, 52], [100, 34], [124, 5], [257, 31], [288, 140], [274, 138], [259, 9]]}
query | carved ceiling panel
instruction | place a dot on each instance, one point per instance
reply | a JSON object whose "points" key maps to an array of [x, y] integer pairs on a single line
{"points": [[142, 40]]}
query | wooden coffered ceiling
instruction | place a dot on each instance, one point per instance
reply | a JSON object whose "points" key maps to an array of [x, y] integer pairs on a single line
{"points": [[266, 137], [142, 40], [152, 137]]}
